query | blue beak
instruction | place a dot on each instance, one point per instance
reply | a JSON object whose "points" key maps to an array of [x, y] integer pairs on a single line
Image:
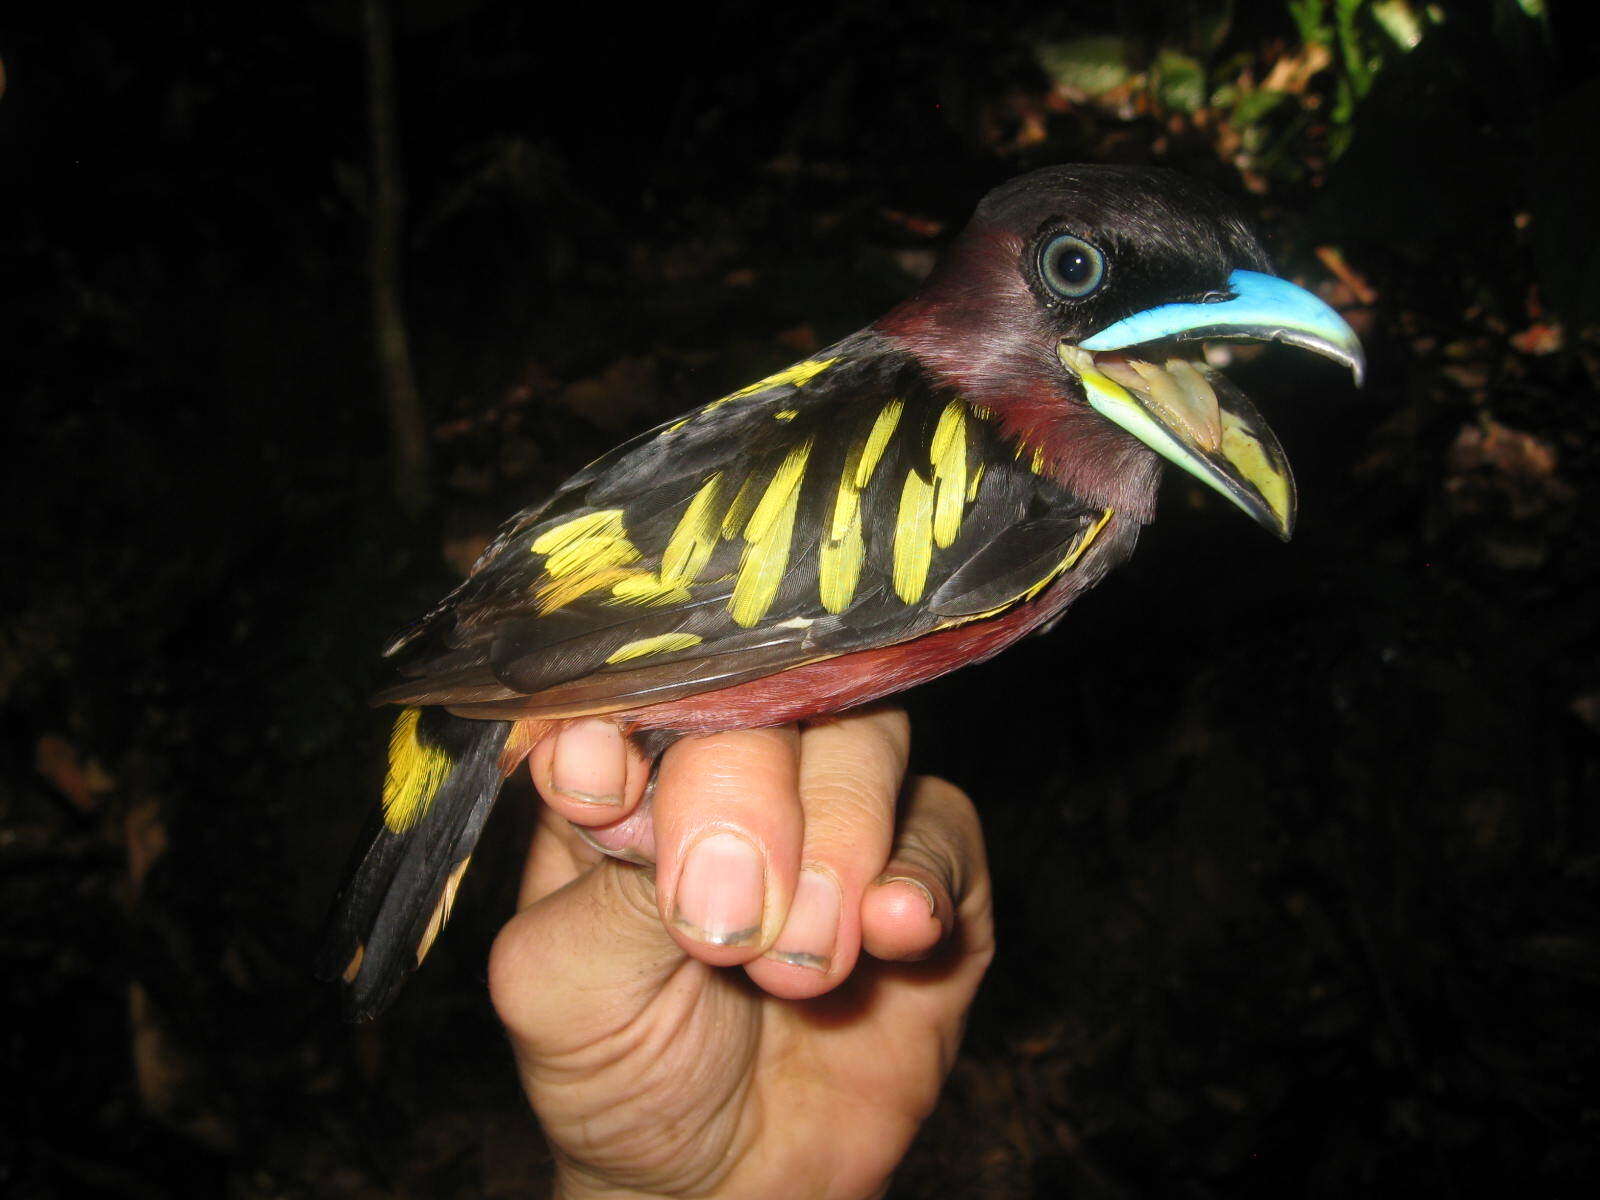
{"points": [[1187, 411], [1255, 306]]}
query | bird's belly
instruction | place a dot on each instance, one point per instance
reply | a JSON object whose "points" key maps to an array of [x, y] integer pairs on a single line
{"points": [[835, 684]]}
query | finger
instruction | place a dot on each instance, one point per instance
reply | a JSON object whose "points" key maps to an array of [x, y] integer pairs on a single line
{"points": [[727, 830], [850, 773], [937, 874], [560, 851], [588, 772], [585, 958]]}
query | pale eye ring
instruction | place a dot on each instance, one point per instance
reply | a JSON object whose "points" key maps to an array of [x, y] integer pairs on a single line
{"points": [[1071, 267]]}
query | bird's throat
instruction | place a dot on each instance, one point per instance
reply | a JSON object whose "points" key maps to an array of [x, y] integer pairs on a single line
{"points": [[977, 330]]}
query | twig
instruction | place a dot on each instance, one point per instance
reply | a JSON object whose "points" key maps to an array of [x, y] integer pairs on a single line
{"points": [[408, 437]]}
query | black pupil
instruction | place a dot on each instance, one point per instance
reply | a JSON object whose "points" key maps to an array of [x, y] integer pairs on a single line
{"points": [[1073, 265]]}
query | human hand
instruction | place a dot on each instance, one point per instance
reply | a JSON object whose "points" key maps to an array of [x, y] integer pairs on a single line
{"points": [[807, 1072]]}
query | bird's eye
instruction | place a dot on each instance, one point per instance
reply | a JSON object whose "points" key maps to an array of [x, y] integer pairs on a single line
{"points": [[1071, 267]]}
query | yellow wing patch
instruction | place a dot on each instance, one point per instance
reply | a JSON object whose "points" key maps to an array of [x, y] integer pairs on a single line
{"points": [[767, 536], [739, 511], [913, 538], [648, 589], [798, 375], [661, 644], [878, 441], [594, 552], [949, 461], [416, 773], [839, 567], [694, 538], [581, 556], [1079, 549]]}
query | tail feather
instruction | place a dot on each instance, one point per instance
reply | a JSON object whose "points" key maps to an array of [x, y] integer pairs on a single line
{"points": [[444, 775]]}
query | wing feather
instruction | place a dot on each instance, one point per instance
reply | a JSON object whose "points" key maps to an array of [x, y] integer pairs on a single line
{"points": [[843, 504]]}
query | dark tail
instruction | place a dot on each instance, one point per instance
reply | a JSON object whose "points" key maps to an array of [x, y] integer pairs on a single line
{"points": [[444, 775]]}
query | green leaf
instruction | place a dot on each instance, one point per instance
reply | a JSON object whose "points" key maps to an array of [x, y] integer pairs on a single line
{"points": [[1093, 65], [1180, 81]]}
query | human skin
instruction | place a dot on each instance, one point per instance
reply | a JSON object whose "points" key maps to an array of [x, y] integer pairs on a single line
{"points": [[773, 1017]]}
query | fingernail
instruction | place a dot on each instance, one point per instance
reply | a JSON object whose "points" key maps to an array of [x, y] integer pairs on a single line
{"points": [[625, 854], [721, 891], [933, 908], [808, 936], [590, 763]]}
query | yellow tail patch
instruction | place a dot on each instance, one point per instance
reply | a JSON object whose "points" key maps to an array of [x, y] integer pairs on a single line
{"points": [[441, 911], [416, 773]]}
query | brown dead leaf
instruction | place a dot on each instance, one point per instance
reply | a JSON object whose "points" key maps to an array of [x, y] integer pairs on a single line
{"points": [[1333, 259], [81, 782], [159, 1070], [1587, 709], [616, 398], [1517, 471], [1542, 337], [802, 339], [461, 552], [144, 836], [913, 223], [1293, 72]]}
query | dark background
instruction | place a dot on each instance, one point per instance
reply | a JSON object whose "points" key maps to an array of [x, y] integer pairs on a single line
{"points": [[1295, 846]]}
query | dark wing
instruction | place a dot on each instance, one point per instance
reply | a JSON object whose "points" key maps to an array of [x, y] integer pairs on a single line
{"points": [[841, 504]]}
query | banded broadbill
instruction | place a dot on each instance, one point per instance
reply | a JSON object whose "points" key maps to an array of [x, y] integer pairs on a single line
{"points": [[916, 497]]}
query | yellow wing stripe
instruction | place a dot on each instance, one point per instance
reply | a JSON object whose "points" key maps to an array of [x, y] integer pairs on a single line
{"points": [[767, 537], [586, 544], [646, 588], [847, 500], [416, 773], [739, 510], [761, 569], [561, 591], [839, 569], [593, 552], [663, 643], [878, 441], [798, 375], [782, 493], [694, 538], [1079, 548], [913, 538], [949, 461]]}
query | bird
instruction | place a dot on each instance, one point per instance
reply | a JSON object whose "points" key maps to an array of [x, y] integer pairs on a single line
{"points": [[914, 498]]}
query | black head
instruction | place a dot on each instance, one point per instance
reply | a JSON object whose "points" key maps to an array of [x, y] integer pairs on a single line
{"points": [[1097, 243], [1059, 307]]}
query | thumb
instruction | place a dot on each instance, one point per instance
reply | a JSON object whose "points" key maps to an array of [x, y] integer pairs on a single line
{"points": [[582, 961]]}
